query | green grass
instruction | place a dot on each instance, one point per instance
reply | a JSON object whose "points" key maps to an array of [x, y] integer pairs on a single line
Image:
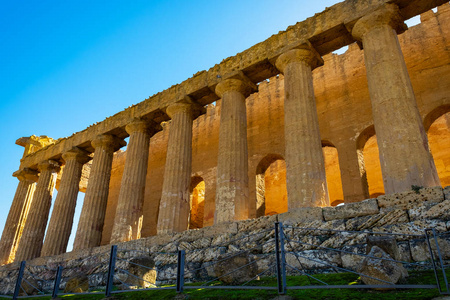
{"points": [[416, 277]]}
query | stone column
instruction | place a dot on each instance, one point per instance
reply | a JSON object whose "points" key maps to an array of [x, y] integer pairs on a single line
{"points": [[403, 144], [174, 207], [90, 225], [30, 244], [306, 182], [60, 225], [232, 161], [128, 218], [17, 214]]}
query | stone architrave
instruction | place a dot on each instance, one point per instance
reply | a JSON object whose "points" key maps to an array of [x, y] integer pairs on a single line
{"points": [[306, 182], [30, 244], [17, 214], [402, 141], [128, 218], [232, 161], [61, 221], [174, 207], [90, 225]]}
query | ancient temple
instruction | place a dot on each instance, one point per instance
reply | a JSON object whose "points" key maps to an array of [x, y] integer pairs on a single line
{"points": [[282, 125]]}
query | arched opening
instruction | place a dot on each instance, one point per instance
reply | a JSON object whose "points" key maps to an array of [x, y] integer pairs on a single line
{"points": [[369, 163], [373, 167], [197, 203], [437, 124], [271, 194], [333, 173]]}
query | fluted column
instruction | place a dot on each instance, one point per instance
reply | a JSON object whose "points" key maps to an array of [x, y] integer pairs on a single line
{"points": [[128, 218], [232, 161], [17, 214], [61, 221], [90, 225], [402, 141], [30, 244], [306, 182], [174, 207]]}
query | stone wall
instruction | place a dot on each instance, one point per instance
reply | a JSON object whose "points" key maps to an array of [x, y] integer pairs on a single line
{"points": [[404, 213]]}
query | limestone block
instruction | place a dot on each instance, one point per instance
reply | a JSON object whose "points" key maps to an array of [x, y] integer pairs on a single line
{"points": [[431, 210], [144, 269], [386, 243], [341, 239], [258, 223], [396, 216], [353, 261], [447, 192], [170, 248], [351, 210], [77, 284], [314, 259], [302, 215], [188, 235], [404, 250], [223, 268], [415, 227], [29, 286], [380, 268], [411, 199], [157, 240], [228, 227], [265, 263], [420, 251]]}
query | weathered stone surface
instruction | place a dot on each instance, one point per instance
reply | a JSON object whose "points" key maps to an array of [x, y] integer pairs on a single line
{"points": [[412, 228], [144, 269], [314, 259], [226, 270], [386, 243], [431, 210], [447, 192], [258, 223], [351, 210], [379, 220], [384, 270], [77, 284], [29, 286], [353, 261], [411, 199], [301, 216]]}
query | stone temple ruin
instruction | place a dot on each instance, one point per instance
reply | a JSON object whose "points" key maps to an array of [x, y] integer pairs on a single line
{"points": [[285, 126]]}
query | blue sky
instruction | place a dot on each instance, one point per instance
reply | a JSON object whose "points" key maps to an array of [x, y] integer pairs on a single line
{"points": [[67, 64]]}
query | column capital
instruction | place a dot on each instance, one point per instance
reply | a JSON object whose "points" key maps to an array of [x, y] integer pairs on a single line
{"points": [[238, 83], [387, 15], [26, 174], [77, 154], [49, 165], [305, 54], [137, 125], [107, 141], [187, 105]]}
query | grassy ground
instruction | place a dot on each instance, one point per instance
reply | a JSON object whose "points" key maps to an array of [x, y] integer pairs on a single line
{"points": [[417, 277]]}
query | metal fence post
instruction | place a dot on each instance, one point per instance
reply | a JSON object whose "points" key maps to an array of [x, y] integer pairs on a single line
{"points": [[57, 282], [112, 266], [280, 258], [180, 271], [438, 250], [19, 280]]}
